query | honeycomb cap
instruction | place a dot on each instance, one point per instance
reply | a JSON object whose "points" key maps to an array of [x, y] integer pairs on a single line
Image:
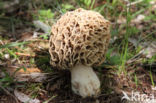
{"points": [[79, 37]]}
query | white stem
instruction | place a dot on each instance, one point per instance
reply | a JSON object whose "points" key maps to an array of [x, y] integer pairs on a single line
{"points": [[84, 81]]}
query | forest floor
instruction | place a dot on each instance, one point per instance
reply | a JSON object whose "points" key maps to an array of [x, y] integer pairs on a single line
{"points": [[127, 76]]}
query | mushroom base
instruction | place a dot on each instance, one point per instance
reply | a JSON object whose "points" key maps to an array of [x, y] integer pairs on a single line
{"points": [[84, 81]]}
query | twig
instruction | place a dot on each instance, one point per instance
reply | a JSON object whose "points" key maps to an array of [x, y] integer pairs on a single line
{"points": [[1, 42], [134, 58], [64, 101], [9, 93], [24, 54], [133, 3], [104, 95]]}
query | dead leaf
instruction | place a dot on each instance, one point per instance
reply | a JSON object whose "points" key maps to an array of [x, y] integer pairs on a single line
{"points": [[32, 77], [26, 36], [39, 24], [31, 74], [121, 20], [149, 51], [133, 41], [138, 19], [25, 98]]}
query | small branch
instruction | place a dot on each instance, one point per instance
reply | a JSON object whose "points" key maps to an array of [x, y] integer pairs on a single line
{"points": [[134, 3], [8, 93], [1, 42], [24, 54]]}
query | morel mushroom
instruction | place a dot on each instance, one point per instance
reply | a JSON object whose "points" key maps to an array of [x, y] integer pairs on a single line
{"points": [[78, 42]]}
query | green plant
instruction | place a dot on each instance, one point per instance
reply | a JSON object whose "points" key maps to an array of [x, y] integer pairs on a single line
{"points": [[151, 77], [87, 4], [150, 62], [13, 44], [8, 49], [136, 79], [45, 15], [7, 80], [125, 43], [66, 7], [113, 59], [45, 36], [47, 101]]}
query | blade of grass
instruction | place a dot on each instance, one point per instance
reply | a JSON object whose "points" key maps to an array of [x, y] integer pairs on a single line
{"points": [[11, 53], [92, 4], [151, 77], [13, 44]]}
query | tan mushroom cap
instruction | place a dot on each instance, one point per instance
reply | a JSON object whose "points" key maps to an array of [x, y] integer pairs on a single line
{"points": [[79, 37]]}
